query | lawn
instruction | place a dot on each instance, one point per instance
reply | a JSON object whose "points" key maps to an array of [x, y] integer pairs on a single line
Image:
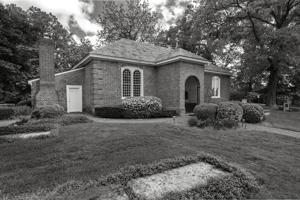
{"points": [[87, 151], [284, 120]]}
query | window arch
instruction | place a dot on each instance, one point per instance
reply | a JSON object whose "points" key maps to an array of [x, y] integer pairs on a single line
{"points": [[137, 83], [126, 88], [216, 87], [132, 82]]}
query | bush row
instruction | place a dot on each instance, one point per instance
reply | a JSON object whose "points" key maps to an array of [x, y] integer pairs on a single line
{"points": [[118, 113], [226, 114], [64, 120], [10, 112], [136, 108], [141, 107]]}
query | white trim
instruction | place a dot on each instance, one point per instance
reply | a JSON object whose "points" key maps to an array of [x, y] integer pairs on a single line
{"points": [[132, 70], [216, 85], [57, 74], [179, 58], [216, 72], [82, 61], [68, 98]]}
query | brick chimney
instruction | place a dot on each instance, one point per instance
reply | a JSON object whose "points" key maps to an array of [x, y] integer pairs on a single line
{"points": [[47, 94]]}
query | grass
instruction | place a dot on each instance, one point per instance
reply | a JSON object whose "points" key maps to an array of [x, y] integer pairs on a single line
{"points": [[284, 120], [87, 151]]}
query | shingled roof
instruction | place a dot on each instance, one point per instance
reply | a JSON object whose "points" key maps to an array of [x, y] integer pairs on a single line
{"points": [[145, 53]]}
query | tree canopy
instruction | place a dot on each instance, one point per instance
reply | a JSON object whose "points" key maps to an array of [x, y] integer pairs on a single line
{"points": [[258, 39], [132, 19], [20, 31]]}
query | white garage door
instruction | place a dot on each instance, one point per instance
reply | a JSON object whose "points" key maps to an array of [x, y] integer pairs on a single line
{"points": [[74, 98]]}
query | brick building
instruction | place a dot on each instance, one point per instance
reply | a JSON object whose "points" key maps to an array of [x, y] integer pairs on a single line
{"points": [[128, 68]]}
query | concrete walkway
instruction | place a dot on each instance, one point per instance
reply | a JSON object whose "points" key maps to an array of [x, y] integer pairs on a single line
{"points": [[258, 127], [7, 122]]}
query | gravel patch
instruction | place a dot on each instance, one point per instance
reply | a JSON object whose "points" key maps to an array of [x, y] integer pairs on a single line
{"points": [[175, 180]]}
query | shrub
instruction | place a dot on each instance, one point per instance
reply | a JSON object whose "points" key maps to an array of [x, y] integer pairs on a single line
{"points": [[193, 122], [225, 123], [141, 107], [236, 96], [253, 113], [165, 114], [74, 119], [206, 111], [109, 112], [251, 96], [6, 113], [25, 103], [49, 111], [229, 110], [64, 120], [10, 130], [22, 110]]}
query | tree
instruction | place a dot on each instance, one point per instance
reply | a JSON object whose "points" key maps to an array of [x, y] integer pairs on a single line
{"points": [[132, 20], [16, 37], [20, 32], [269, 30]]}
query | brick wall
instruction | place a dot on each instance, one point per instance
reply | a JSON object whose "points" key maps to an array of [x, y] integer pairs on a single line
{"points": [[167, 80], [101, 84], [106, 82], [225, 88], [190, 70], [87, 88], [61, 81]]}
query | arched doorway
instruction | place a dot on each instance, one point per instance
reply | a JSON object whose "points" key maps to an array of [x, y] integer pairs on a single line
{"points": [[192, 93]]}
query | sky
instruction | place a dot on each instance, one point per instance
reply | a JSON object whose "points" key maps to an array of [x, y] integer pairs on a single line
{"points": [[79, 16]]}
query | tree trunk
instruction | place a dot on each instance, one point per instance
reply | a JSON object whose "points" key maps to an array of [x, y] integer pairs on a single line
{"points": [[272, 86]]}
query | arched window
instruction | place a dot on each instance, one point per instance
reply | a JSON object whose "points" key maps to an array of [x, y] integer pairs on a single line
{"points": [[136, 83], [126, 83], [132, 82], [216, 82]]}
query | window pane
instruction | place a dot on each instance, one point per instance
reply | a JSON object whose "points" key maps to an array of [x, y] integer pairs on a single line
{"points": [[136, 83], [216, 86], [126, 83]]}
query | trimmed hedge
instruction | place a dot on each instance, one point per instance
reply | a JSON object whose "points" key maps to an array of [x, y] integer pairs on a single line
{"points": [[65, 120], [168, 113], [229, 110], [6, 113], [74, 119], [25, 103], [10, 130], [22, 110], [118, 113], [141, 107], [109, 112], [253, 113], [50, 111], [206, 111]]}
